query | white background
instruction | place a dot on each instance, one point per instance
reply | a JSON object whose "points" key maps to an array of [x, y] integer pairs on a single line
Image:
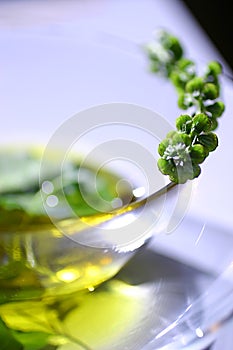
{"points": [[125, 24]]}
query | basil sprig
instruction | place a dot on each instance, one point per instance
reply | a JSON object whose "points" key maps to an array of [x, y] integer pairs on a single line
{"points": [[184, 149]]}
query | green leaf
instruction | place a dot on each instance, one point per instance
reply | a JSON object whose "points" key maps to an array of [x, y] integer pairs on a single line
{"points": [[7, 340], [32, 340], [86, 190]]}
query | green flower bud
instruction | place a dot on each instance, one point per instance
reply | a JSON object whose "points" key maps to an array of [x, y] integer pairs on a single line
{"points": [[162, 146], [198, 153], [216, 109], [196, 171], [154, 66], [210, 91], [195, 85], [214, 124], [209, 140], [184, 123], [175, 48], [186, 139], [172, 44], [173, 177], [165, 166], [176, 138], [184, 101], [214, 67], [201, 123], [187, 65], [176, 79], [171, 134]]}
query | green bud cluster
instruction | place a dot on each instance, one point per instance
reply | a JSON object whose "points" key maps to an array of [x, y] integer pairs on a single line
{"points": [[183, 150]]}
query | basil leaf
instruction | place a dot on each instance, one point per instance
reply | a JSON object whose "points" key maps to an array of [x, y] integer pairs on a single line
{"points": [[7, 340], [33, 340]]}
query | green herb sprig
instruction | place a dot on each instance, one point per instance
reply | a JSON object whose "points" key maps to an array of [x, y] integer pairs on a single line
{"points": [[184, 149]]}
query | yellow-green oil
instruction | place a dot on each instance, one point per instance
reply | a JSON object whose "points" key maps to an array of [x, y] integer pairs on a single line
{"points": [[51, 296]]}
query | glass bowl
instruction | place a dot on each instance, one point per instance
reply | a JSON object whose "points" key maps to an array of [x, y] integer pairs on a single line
{"points": [[177, 291]]}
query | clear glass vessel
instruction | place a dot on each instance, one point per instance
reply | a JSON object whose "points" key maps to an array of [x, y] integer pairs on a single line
{"points": [[139, 271]]}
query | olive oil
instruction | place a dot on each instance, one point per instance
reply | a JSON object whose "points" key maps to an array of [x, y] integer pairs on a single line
{"points": [[102, 319], [36, 258], [53, 290]]}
